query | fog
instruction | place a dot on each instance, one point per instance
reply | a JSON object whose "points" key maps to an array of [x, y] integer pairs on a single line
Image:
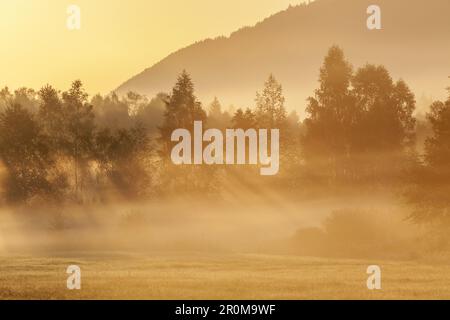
{"points": [[267, 222]]}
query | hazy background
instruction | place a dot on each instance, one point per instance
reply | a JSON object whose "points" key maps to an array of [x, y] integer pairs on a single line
{"points": [[87, 179], [117, 39], [413, 44], [68, 155]]}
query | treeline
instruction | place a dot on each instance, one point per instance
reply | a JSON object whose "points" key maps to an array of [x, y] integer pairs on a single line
{"points": [[359, 132], [61, 147]]}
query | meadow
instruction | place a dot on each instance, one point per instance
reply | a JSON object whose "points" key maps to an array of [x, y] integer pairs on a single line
{"points": [[117, 275]]}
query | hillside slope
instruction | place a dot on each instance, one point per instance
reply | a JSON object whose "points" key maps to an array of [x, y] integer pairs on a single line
{"points": [[413, 44]]}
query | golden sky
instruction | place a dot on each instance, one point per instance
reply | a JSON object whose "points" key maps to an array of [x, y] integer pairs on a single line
{"points": [[117, 40]]}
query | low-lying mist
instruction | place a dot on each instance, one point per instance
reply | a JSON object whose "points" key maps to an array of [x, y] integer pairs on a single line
{"points": [[267, 222]]}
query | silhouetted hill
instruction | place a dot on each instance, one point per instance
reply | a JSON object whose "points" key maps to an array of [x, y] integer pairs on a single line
{"points": [[413, 44]]}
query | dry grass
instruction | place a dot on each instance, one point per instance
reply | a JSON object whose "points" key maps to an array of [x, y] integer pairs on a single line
{"points": [[200, 276]]}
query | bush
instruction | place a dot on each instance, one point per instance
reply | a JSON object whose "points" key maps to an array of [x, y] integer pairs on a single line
{"points": [[357, 234]]}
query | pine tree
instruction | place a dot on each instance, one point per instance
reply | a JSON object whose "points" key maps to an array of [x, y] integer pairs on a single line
{"points": [[182, 109], [216, 117], [215, 109]]}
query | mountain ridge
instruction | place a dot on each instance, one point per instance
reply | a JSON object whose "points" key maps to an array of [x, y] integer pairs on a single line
{"points": [[413, 44]]}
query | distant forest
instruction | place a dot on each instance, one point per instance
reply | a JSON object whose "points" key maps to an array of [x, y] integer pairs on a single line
{"points": [[359, 134]]}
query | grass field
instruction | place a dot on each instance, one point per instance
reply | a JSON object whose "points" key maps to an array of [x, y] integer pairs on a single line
{"points": [[201, 276]]}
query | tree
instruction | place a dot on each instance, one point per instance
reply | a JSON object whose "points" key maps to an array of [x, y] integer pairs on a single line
{"points": [[25, 153], [69, 121], [430, 185], [111, 112], [122, 156], [79, 121], [437, 147], [359, 127], [216, 117], [6, 98], [182, 109], [270, 110], [151, 114], [293, 134], [331, 117], [26, 97], [244, 120], [215, 109], [386, 126], [51, 116]]}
